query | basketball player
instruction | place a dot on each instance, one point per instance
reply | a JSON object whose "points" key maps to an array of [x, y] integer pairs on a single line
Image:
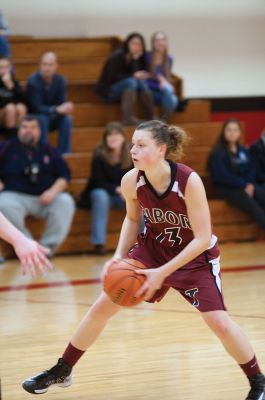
{"points": [[30, 253], [178, 248]]}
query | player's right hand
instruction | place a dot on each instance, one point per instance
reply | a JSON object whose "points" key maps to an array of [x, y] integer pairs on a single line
{"points": [[107, 266]]}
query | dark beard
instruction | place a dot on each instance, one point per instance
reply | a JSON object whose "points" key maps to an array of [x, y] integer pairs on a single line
{"points": [[28, 141]]}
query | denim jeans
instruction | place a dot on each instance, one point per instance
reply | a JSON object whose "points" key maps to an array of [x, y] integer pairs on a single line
{"points": [[131, 83], [64, 125], [101, 202], [4, 47], [166, 98]]}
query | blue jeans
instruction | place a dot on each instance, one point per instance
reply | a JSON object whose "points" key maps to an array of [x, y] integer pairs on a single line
{"points": [[64, 125], [4, 47], [131, 83], [101, 202], [166, 98]]}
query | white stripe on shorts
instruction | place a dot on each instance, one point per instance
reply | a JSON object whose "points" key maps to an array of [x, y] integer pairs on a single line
{"points": [[215, 270]]}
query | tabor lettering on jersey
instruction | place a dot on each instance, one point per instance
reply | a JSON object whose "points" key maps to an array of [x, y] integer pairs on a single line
{"points": [[158, 216]]}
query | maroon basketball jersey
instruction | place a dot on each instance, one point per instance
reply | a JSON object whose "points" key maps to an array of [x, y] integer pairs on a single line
{"points": [[166, 215]]}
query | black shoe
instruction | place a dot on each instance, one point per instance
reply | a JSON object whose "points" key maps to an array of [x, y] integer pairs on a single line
{"points": [[99, 250], [257, 384], [59, 375]]}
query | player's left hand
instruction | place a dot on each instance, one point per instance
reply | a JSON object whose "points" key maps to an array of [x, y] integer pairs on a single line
{"points": [[154, 280]]}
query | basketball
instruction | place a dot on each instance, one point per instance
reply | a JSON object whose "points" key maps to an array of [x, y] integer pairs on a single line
{"points": [[121, 282]]}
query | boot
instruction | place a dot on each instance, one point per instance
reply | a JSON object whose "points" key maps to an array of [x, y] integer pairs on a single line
{"points": [[147, 104], [127, 106]]}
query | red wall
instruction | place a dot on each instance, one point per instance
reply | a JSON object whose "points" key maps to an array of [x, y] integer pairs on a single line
{"points": [[254, 122]]}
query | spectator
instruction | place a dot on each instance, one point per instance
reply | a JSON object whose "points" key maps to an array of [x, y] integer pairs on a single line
{"points": [[111, 160], [12, 98], [124, 76], [33, 178], [4, 31], [160, 68], [47, 98], [234, 175], [257, 151]]}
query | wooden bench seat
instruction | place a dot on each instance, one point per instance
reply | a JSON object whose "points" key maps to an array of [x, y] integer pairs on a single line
{"points": [[32, 48], [98, 114], [84, 139]]}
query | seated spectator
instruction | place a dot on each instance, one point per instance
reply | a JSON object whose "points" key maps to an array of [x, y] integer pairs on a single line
{"points": [[111, 160], [12, 98], [257, 151], [4, 31], [33, 177], [47, 98], [234, 175], [124, 76], [160, 68]]}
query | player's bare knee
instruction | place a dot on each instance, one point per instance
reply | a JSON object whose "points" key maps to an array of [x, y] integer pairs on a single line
{"points": [[219, 323]]}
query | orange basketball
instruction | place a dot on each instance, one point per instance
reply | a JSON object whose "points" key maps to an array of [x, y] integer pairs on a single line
{"points": [[121, 282]]}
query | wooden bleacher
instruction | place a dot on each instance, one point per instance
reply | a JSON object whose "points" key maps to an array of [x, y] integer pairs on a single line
{"points": [[80, 62]]}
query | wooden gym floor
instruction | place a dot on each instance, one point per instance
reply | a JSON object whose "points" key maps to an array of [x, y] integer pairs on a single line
{"points": [[158, 352]]}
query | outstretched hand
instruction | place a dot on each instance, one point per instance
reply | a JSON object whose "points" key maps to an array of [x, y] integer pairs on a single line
{"points": [[154, 280], [32, 255]]}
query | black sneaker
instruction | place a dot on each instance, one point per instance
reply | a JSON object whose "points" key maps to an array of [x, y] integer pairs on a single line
{"points": [[257, 384], [59, 375]]}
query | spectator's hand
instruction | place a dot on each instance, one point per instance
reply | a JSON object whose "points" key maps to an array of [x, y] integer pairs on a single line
{"points": [[2, 186], [47, 197], [249, 189], [32, 255], [65, 108], [163, 82], [7, 79], [141, 75]]}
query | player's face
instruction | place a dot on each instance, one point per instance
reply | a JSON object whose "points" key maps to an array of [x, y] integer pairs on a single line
{"points": [[145, 152], [135, 47], [232, 132], [115, 140], [29, 132], [5, 67]]}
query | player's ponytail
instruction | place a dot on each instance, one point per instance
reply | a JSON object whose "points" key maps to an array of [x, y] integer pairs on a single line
{"points": [[173, 136]]}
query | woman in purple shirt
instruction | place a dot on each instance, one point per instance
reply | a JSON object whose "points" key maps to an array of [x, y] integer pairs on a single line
{"points": [[159, 66]]}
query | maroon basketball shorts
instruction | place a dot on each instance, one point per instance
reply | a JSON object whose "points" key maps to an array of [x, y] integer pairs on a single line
{"points": [[199, 281]]}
